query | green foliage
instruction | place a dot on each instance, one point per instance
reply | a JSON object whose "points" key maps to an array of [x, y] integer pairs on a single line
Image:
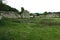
{"points": [[45, 13], [22, 10], [31, 14], [0, 1], [4, 7], [37, 14], [30, 30]]}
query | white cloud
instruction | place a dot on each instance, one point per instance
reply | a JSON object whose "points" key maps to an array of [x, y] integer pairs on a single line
{"points": [[36, 5]]}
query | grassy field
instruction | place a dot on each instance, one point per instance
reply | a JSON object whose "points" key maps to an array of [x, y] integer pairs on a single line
{"points": [[30, 29]]}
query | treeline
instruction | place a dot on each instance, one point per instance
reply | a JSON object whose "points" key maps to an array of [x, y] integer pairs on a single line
{"points": [[44, 13], [4, 7]]}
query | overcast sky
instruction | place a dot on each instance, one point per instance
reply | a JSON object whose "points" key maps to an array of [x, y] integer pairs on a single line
{"points": [[36, 5]]}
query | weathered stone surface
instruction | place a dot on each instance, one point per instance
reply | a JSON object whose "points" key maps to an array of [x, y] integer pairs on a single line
{"points": [[25, 14], [9, 14]]}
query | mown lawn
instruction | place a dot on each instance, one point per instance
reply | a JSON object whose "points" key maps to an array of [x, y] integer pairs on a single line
{"points": [[30, 29]]}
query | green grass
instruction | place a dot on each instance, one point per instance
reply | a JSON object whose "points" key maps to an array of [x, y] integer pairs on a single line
{"points": [[30, 29]]}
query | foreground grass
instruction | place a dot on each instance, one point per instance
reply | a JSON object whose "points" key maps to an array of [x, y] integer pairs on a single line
{"points": [[30, 29]]}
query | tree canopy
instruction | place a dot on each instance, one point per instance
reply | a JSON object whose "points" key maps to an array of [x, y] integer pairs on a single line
{"points": [[4, 7], [22, 10], [45, 13]]}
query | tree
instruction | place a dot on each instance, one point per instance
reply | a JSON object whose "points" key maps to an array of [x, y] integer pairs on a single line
{"points": [[22, 10], [31, 14], [1, 1], [37, 14], [45, 13], [4, 7], [58, 13]]}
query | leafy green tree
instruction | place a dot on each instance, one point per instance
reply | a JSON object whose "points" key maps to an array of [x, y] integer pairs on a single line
{"points": [[45, 13], [58, 13], [22, 10], [37, 14], [49, 12], [1, 1], [4, 7], [31, 14]]}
